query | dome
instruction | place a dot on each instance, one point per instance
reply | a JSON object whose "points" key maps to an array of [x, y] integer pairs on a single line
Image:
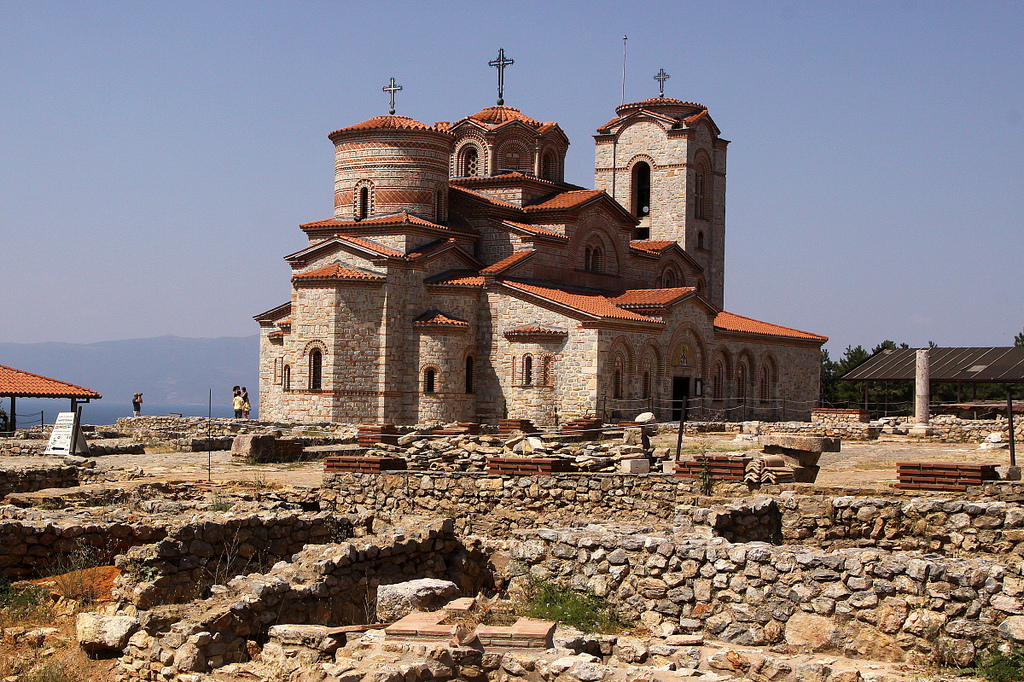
{"points": [[387, 123], [498, 115]]}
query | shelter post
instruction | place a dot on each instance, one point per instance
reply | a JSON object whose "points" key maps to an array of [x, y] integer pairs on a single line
{"points": [[13, 421], [1009, 420]]}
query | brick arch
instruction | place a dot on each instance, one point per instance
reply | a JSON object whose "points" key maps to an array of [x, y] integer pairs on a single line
{"points": [[689, 334], [514, 146], [460, 149], [701, 183], [315, 343], [357, 198], [768, 370], [555, 172], [744, 377], [624, 347], [722, 368], [671, 276], [586, 234], [651, 356]]}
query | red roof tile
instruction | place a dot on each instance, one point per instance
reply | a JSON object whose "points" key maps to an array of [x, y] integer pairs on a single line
{"points": [[644, 298], [400, 218], [486, 197], [591, 304], [371, 246], [499, 115], [570, 199], [507, 263], [467, 278], [651, 245], [432, 247], [738, 323], [535, 329], [436, 317], [20, 384], [269, 316], [336, 271], [533, 229], [385, 123], [655, 101]]}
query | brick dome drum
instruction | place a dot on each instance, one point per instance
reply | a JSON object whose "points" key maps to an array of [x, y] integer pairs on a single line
{"points": [[390, 164]]}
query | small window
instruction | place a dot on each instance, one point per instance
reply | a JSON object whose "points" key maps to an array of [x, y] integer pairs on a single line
{"points": [[286, 379], [546, 377], [670, 280], [469, 375], [741, 383], [316, 363], [429, 380], [719, 380], [470, 162], [647, 385], [617, 384], [765, 383], [548, 171], [593, 259], [528, 370], [364, 202], [641, 190], [700, 196], [700, 239]]}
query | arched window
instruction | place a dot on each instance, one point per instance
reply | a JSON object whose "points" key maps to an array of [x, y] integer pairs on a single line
{"points": [[548, 167], [741, 382], [286, 379], [719, 381], [647, 385], [470, 162], [527, 370], [316, 364], [670, 280], [364, 202], [641, 190], [700, 239], [469, 374], [429, 380], [765, 383], [617, 384], [700, 210], [546, 377], [588, 259], [597, 260]]}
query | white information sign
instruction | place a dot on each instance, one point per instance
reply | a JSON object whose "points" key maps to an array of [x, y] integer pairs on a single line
{"points": [[61, 436]]}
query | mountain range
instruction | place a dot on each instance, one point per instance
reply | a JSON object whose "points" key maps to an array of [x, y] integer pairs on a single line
{"points": [[168, 369]]}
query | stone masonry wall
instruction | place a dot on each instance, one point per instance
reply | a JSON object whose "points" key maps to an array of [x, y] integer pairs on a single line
{"points": [[861, 602], [211, 549], [37, 478], [333, 584]]}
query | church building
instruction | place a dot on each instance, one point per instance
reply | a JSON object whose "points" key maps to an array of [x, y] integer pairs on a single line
{"points": [[462, 279]]}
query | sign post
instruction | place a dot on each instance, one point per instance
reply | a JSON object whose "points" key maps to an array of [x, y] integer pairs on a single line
{"points": [[67, 437]]}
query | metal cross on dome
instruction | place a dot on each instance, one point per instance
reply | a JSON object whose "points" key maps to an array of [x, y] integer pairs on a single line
{"points": [[393, 88], [661, 78], [500, 63]]}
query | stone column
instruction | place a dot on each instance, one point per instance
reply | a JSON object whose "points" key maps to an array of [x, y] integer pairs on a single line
{"points": [[922, 396], [922, 390]]}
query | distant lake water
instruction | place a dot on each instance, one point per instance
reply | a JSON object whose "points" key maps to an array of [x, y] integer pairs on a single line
{"points": [[104, 412]]}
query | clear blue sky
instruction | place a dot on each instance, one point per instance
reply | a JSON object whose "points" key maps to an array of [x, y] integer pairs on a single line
{"points": [[157, 158]]}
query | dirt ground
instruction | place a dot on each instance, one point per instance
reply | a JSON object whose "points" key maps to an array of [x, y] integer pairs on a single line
{"points": [[859, 464]]}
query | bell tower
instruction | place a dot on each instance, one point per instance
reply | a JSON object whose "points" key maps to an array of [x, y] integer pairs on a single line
{"points": [[662, 159]]}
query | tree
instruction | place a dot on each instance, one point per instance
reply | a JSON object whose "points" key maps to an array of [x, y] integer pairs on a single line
{"points": [[1019, 340]]}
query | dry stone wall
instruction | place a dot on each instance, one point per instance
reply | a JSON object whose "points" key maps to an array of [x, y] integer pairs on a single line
{"points": [[37, 478], [210, 550], [862, 602], [333, 584]]}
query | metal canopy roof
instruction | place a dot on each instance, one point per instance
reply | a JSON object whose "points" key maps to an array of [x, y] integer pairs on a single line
{"points": [[952, 365]]}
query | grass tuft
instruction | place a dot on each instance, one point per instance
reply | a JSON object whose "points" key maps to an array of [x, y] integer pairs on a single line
{"points": [[547, 600]]}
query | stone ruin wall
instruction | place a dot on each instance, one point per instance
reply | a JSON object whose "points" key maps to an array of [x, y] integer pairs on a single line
{"points": [[191, 558], [333, 584], [38, 478]]}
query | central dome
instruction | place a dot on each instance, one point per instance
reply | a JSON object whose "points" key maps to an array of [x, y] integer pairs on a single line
{"points": [[498, 115]]}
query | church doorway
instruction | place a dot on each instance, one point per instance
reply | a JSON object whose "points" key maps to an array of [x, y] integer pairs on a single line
{"points": [[680, 394]]}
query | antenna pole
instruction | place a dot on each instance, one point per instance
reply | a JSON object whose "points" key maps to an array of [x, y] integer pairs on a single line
{"points": [[622, 100]]}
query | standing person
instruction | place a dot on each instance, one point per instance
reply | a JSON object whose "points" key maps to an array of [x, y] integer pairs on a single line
{"points": [[236, 403], [137, 405], [245, 402]]}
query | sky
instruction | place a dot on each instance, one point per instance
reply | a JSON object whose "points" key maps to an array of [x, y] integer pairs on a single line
{"points": [[156, 159]]}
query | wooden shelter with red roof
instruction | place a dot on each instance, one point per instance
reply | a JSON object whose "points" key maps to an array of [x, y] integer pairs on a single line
{"points": [[15, 383], [462, 279]]}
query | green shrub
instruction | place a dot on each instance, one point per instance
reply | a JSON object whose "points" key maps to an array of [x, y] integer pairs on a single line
{"points": [[547, 600], [51, 671], [22, 603], [996, 666]]}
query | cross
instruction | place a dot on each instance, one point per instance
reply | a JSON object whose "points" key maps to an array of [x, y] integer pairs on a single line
{"points": [[392, 89], [661, 78], [500, 63]]}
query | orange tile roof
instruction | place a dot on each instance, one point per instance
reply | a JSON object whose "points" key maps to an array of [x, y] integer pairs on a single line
{"points": [[570, 199], [278, 334], [20, 384], [432, 247], [507, 263], [385, 123], [400, 218], [370, 246], [533, 229], [644, 298], [651, 245], [436, 317], [274, 313], [591, 304], [661, 100], [738, 323], [286, 322], [486, 197], [535, 329], [456, 278], [499, 115], [337, 271]]}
